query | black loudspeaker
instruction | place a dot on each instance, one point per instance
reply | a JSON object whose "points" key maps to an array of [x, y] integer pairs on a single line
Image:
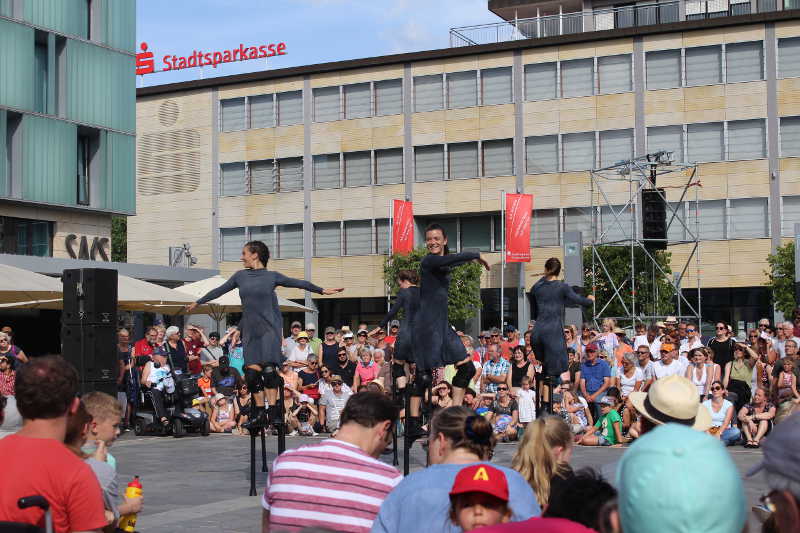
{"points": [[654, 219], [91, 349], [90, 296]]}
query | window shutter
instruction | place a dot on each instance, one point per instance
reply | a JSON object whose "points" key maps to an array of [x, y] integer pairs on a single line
{"points": [[326, 104], [262, 176], [663, 69], [790, 215], [790, 136], [578, 151], [545, 227], [232, 242], [541, 154], [579, 219], [232, 114], [615, 74], [290, 174], [462, 89], [428, 93], [745, 61], [463, 160], [476, 233], [290, 241], [675, 229], [429, 162], [746, 139], [358, 237], [326, 171], [669, 138], [497, 86], [576, 78], [357, 169], [705, 142], [749, 218], [616, 226], [704, 65], [262, 113], [389, 166], [327, 239], [383, 235], [789, 57], [540, 81], [388, 97], [290, 108], [498, 157], [234, 182], [265, 234], [711, 219], [615, 146], [357, 101]]}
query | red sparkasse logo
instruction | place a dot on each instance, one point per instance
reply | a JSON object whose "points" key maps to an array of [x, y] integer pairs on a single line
{"points": [[146, 65]]}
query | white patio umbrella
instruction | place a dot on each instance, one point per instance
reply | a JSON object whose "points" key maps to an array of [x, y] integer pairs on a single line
{"points": [[20, 285]]}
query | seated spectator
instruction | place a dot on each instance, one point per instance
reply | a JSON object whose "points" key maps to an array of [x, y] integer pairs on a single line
{"points": [[442, 395], [345, 368], [543, 456], [595, 378], [458, 438], [7, 376], [581, 499], [157, 378], [608, 429], [325, 384], [671, 399], [322, 476], [225, 378], [10, 421], [47, 390], [332, 404], [303, 418], [10, 350], [242, 401], [223, 414], [756, 418], [479, 498], [722, 416], [366, 370], [309, 377], [207, 391], [505, 414], [663, 481]]}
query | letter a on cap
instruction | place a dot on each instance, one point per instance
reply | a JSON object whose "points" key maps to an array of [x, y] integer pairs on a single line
{"points": [[481, 475]]}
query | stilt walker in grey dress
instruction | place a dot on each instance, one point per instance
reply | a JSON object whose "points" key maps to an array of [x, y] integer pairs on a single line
{"points": [[261, 326], [437, 344]]}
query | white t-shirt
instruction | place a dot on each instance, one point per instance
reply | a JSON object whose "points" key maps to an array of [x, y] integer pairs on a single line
{"points": [[673, 369], [686, 347], [648, 372], [718, 418], [526, 400], [627, 384], [296, 354], [334, 405], [655, 346]]}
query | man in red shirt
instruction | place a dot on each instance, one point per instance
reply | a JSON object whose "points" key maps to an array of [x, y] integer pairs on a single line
{"points": [[394, 329], [507, 346], [195, 341], [7, 377], [145, 346], [42, 465]]}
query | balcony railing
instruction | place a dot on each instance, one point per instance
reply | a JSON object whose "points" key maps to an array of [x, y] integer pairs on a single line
{"points": [[605, 19]]}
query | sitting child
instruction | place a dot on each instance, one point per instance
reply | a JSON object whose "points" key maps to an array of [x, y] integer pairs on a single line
{"points": [[608, 427], [303, 418], [479, 497], [223, 416]]}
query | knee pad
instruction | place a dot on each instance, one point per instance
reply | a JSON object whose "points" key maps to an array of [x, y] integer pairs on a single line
{"points": [[272, 380], [254, 380], [421, 383], [398, 370], [464, 375]]}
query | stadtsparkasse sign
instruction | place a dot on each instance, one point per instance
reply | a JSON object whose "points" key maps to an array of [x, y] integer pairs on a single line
{"points": [[145, 62]]}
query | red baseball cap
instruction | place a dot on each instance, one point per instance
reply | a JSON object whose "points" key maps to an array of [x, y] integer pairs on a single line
{"points": [[481, 478], [592, 347]]}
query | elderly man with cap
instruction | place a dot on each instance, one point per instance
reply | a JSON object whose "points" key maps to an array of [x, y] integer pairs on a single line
{"points": [[652, 339], [595, 379], [291, 341], [668, 365], [314, 342]]}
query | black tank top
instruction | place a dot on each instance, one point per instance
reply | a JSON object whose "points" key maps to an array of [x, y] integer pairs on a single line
{"points": [[329, 357], [518, 372]]}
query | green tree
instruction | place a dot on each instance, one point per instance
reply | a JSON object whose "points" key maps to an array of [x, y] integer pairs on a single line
{"points": [[464, 298], [119, 239], [781, 278], [655, 294]]}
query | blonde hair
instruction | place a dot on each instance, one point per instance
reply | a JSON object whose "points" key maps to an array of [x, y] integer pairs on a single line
{"points": [[4, 335], [610, 322], [102, 406], [534, 458]]}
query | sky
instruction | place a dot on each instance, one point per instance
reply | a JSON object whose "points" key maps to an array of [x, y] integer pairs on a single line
{"points": [[315, 31]]}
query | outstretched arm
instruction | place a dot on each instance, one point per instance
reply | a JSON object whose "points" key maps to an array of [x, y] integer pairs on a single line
{"points": [[438, 261], [399, 303], [285, 281], [216, 293], [574, 298]]}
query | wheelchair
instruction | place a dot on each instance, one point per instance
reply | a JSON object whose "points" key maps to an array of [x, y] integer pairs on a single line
{"points": [[183, 417], [20, 527]]}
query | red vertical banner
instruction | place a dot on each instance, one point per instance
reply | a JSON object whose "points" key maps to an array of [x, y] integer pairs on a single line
{"points": [[518, 227], [402, 227]]}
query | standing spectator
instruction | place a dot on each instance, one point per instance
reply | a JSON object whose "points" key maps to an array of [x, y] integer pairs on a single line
{"points": [[344, 367], [543, 457], [692, 339], [362, 337], [332, 404], [394, 329], [314, 342], [512, 341], [195, 341], [651, 340], [7, 376], [176, 349], [12, 351], [722, 416], [124, 350], [483, 340], [298, 355], [495, 370], [308, 486], [526, 399], [495, 338], [520, 367], [350, 346], [791, 353], [698, 372], [291, 341], [722, 345], [329, 348], [595, 378], [309, 377], [756, 418], [211, 353], [47, 390], [234, 348], [225, 378], [668, 365], [458, 438]]}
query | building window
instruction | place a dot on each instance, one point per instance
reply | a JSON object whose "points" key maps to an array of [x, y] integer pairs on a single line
{"points": [[290, 241], [577, 77], [327, 104], [388, 97], [326, 171], [389, 166], [614, 74], [710, 218], [462, 89], [790, 136], [667, 138], [232, 240], [705, 142], [476, 233], [790, 215], [327, 239], [540, 81], [357, 101], [749, 218], [429, 162], [357, 237], [541, 154], [232, 116], [497, 86], [703, 65], [262, 176], [579, 219], [290, 174], [84, 169], [578, 151], [262, 111], [450, 226], [428, 93], [41, 73], [265, 234], [615, 146], [746, 139], [545, 226], [357, 167], [498, 157], [745, 61], [663, 69], [676, 220], [616, 222], [463, 160], [19, 236], [383, 236], [290, 108], [233, 180], [789, 57]]}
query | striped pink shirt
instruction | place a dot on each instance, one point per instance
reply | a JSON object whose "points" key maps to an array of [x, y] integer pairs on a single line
{"points": [[333, 485]]}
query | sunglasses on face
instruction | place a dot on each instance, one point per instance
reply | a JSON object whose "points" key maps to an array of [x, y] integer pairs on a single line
{"points": [[719, 328], [325, 372], [690, 330], [502, 388], [643, 351], [716, 388], [337, 383]]}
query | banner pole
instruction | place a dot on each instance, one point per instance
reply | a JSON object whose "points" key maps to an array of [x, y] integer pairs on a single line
{"points": [[503, 259], [391, 252]]}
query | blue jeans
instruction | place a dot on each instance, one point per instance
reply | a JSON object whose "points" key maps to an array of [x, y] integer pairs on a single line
{"points": [[731, 436]]}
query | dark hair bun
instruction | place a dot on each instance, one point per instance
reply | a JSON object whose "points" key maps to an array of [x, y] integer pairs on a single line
{"points": [[478, 430]]}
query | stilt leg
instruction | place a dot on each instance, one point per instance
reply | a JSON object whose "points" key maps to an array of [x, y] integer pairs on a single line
{"points": [[263, 433], [253, 464], [282, 417], [406, 443]]}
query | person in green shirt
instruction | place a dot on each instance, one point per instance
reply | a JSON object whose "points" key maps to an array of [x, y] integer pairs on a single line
{"points": [[608, 428], [314, 342]]}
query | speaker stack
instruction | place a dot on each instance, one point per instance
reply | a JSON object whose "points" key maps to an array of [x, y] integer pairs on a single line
{"points": [[654, 219], [89, 327]]}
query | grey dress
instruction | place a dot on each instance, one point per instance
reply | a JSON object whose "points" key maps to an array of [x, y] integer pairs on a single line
{"points": [[437, 343], [261, 325], [408, 301], [548, 333]]}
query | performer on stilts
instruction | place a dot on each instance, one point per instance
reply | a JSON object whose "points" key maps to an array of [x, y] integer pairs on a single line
{"points": [[437, 344], [548, 297], [261, 327]]}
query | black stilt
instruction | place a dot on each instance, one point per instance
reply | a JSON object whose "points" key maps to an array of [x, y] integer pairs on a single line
{"points": [[406, 444], [395, 461], [282, 417], [263, 433], [430, 412], [253, 464]]}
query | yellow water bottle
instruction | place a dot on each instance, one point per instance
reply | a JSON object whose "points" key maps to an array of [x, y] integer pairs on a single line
{"points": [[128, 522]]}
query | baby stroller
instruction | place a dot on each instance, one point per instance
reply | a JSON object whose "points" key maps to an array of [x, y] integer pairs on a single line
{"points": [[184, 417]]}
